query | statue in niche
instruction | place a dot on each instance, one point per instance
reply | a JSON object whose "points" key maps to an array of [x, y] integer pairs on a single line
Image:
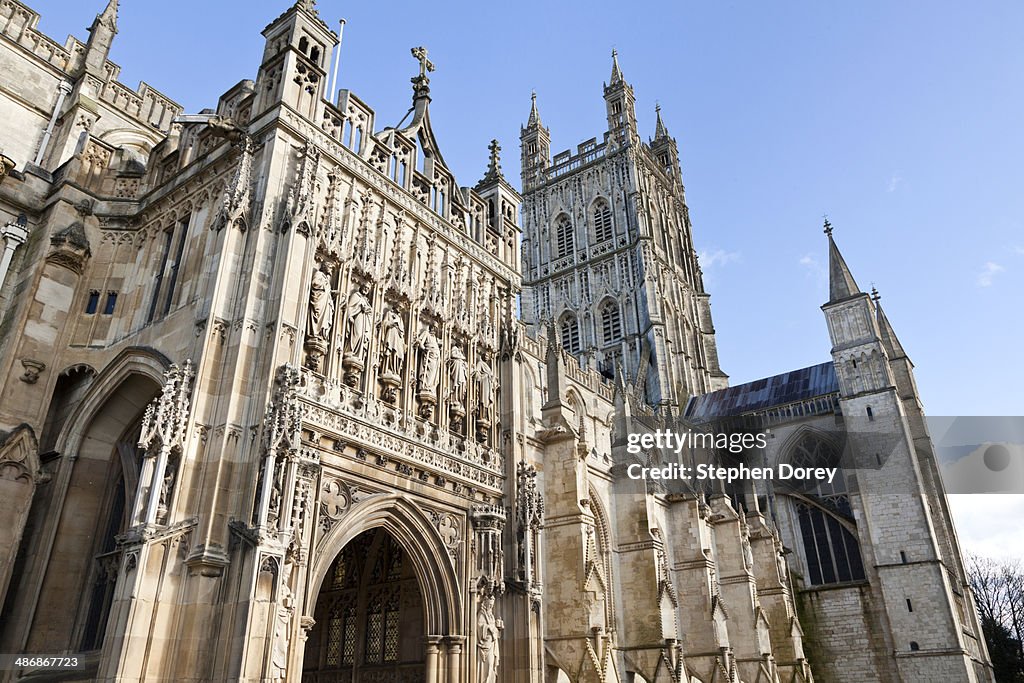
{"points": [[357, 322], [458, 374], [484, 386], [279, 657], [488, 634], [430, 360], [321, 305], [393, 356], [166, 489]]}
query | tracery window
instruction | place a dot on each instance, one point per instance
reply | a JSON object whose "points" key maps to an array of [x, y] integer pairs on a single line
{"points": [[602, 221], [831, 549], [833, 555], [611, 322], [565, 242]]}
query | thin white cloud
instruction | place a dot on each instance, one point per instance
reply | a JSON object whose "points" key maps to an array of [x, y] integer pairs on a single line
{"points": [[1019, 251], [988, 273], [812, 266], [894, 182], [716, 258]]}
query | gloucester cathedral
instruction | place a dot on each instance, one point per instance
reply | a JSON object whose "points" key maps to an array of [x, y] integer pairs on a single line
{"points": [[280, 400]]}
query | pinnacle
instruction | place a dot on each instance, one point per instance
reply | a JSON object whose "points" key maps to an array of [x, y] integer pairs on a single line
{"points": [[886, 332], [841, 284], [616, 71], [534, 119], [660, 131]]}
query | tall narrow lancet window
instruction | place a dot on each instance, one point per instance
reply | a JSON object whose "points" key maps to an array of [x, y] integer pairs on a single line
{"points": [[182, 236], [571, 334], [611, 322], [565, 242], [602, 221]]}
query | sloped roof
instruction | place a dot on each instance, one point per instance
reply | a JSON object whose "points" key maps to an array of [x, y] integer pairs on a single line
{"points": [[789, 387]]}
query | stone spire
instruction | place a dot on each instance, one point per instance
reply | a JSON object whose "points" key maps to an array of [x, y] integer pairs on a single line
{"points": [[660, 131], [108, 16], [534, 120], [101, 35], [841, 284], [616, 71], [893, 348]]}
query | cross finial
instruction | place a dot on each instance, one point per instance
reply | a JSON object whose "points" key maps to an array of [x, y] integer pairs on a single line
{"points": [[828, 226], [495, 160], [420, 53]]}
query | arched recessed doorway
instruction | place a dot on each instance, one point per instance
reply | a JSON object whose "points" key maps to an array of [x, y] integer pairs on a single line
{"points": [[369, 616]]}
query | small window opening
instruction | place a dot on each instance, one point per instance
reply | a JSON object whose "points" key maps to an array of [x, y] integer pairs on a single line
{"points": [[910, 606], [903, 556], [94, 302], [871, 414], [914, 647], [108, 308]]}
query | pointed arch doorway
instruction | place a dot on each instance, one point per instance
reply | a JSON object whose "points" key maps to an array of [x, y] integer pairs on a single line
{"points": [[369, 616]]}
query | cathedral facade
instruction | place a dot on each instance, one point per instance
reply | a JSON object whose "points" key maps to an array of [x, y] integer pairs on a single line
{"points": [[280, 400]]}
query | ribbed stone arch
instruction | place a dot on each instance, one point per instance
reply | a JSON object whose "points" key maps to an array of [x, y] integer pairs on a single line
{"points": [[145, 363], [438, 581]]}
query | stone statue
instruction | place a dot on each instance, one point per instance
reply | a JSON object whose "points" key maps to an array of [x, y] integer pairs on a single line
{"points": [[430, 360], [279, 657], [484, 386], [321, 305], [393, 356], [358, 322], [488, 655], [458, 374]]}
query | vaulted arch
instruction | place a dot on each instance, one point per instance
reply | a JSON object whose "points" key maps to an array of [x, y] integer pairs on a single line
{"points": [[435, 572], [73, 550]]}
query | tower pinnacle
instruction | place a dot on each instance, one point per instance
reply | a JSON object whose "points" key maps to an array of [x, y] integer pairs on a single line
{"points": [[616, 71], [534, 119], [660, 131], [841, 284], [892, 344], [101, 35]]}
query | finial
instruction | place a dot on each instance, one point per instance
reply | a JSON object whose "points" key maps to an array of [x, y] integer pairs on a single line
{"points": [[875, 296], [494, 164], [828, 226], [420, 53]]}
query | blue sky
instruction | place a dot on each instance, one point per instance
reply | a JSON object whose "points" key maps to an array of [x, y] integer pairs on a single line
{"points": [[902, 121]]}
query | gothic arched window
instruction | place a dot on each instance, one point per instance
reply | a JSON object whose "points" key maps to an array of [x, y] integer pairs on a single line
{"points": [[831, 549], [565, 242], [611, 322], [602, 221], [571, 334]]}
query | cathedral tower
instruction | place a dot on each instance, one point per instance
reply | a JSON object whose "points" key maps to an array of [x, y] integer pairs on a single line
{"points": [[912, 558], [608, 255]]}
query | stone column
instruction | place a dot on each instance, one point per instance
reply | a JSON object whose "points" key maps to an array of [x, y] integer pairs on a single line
{"points": [[455, 658], [14, 235], [433, 647]]}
